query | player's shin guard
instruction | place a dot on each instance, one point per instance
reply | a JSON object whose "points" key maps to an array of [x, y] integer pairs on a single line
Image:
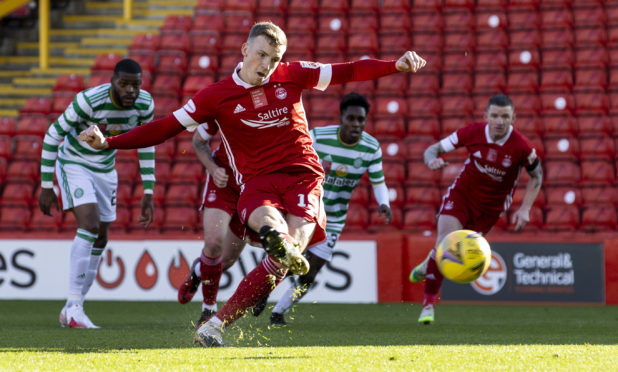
{"points": [[433, 282], [93, 266], [78, 264], [210, 275], [256, 285]]}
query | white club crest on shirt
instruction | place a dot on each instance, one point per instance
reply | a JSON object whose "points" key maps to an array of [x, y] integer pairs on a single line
{"points": [[212, 196], [449, 205], [281, 93], [506, 162]]}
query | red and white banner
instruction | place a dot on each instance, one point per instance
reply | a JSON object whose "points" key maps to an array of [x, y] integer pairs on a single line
{"points": [[152, 270]]}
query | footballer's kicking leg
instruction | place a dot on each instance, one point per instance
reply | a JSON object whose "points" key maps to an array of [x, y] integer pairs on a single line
{"points": [[88, 225], [433, 277], [297, 291]]}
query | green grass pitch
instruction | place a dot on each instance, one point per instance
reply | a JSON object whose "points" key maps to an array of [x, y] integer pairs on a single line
{"points": [[142, 336]]}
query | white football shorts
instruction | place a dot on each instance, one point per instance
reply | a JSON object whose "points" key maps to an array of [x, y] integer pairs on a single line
{"points": [[325, 249], [79, 185]]}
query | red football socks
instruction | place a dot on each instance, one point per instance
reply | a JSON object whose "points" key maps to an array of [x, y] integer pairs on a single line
{"points": [[255, 286], [210, 274], [433, 282]]}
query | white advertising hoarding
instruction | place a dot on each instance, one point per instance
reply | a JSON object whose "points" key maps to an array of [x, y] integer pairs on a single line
{"points": [[152, 270]]}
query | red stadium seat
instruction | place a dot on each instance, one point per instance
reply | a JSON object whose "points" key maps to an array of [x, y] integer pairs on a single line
{"points": [[165, 151], [124, 193], [592, 101], [529, 125], [394, 172], [395, 21], [557, 38], [391, 106], [557, 102], [598, 147], [557, 58], [146, 43], [332, 22], [421, 218], [556, 17], [174, 44], [14, 218], [562, 173], [377, 223], [301, 43], [562, 148], [69, 83], [523, 80], [523, 18], [518, 195], [146, 62], [588, 15], [492, 39], [185, 194], [524, 38], [524, 58], [395, 6], [136, 212], [595, 124], [184, 171], [420, 195], [428, 5], [591, 77], [18, 194], [273, 6], [599, 195], [451, 124], [563, 195], [590, 35], [456, 82], [175, 64], [591, 57], [34, 125], [195, 83], [128, 171], [562, 218], [177, 23], [396, 195], [181, 219], [210, 21], [8, 126], [458, 20], [204, 42], [357, 218], [526, 103], [166, 85], [61, 103], [238, 21], [424, 106], [556, 78], [203, 64], [490, 60], [456, 105], [599, 218], [360, 195], [41, 222], [27, 147], [184, 149], [557, 125], [423, 127], [427, 82], [597, 172], [123, 219], [37, 105], [391, 128], [490, 81], [362, 23], [420, 175], [158, 196], [106, 62], [6, 148], [99, 77], [393, 84], [427, 40], [302, 23], [331, 42]]}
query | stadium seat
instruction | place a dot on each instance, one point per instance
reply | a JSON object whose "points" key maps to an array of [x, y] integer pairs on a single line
{"points": [[457, 62], [357, 218], [529, 125], [591, 57], [33, 125], [599, 218], [526, 103], [556, 125], [158, 196], [518, 195], [331, 42], [123, 219], [211, 21], [177, 24], [420, 175], [27, 147], [195, 83], [8, 126], [146, 43], [394, 172], [565, 147], [423, 127], [428, 82], [99, 77], [594, 100], [456, 105], [428, 5], [389, 128], [362, 23], [69, 84], [597, 172], [37, 105], [396, 195], [124, 193], [557, 58], [526, 38], [524, 58], [590, 35], [185, 194], [184, 149], [61, 103], [303, 23], [128, 171], [523, 80], [171, 64], [422, 195], [165, 151], [14, 218], [360, 195], [557, 17], [165, 105], [522, 17], [588, 15], [6, 147], [493, 39], [458, 20], [106, 62], [556, 78], [563, 195], [393, 84], [591, 77], [332, 22], [557, 38], [489, 81], [490, 60], [598, 147], [599, 195], [377, 223], [427, 40], [421, 218], [17, 194], [174, 44], [562, 173], [180, 219], [595, 124], [562, 218], [395, 21], [147, 63], [451, 124], [157, 221], [41, 222], [273, 6], [390, 107], [557, 102], [187, 171]]}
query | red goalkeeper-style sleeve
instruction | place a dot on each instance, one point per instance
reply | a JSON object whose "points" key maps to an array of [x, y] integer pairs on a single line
{"points": [[365, 69], [147, 135]]}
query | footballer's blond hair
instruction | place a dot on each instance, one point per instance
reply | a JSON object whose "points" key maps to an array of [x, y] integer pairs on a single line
{"points": [[273, 33]]}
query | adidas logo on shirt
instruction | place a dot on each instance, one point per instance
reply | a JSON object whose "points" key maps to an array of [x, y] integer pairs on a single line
{"points": [[238, 109]]}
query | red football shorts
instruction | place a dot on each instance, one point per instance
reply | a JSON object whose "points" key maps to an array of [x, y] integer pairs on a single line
{"points": [[224, 199], [297, 192], [474, 218]]}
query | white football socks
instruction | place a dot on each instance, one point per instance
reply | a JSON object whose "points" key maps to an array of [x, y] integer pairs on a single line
{"points": [[93, 265], [78, 264]]}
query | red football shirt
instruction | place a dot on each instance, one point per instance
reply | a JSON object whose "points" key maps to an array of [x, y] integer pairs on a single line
{"points": [[263, 128], [490, 173]]}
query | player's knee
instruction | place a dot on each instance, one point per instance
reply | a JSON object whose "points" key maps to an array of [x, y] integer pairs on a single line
{"points": [[101, 241], [91, 227]]}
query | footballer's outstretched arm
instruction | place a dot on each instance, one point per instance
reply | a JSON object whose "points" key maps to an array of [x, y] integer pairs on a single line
{"points": [[146, 135], [431, 158]]}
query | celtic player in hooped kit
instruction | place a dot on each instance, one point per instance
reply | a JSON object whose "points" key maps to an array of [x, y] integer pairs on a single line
{"points": [[273, 160], [87, 177], [484, 188], [346, 152]]}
